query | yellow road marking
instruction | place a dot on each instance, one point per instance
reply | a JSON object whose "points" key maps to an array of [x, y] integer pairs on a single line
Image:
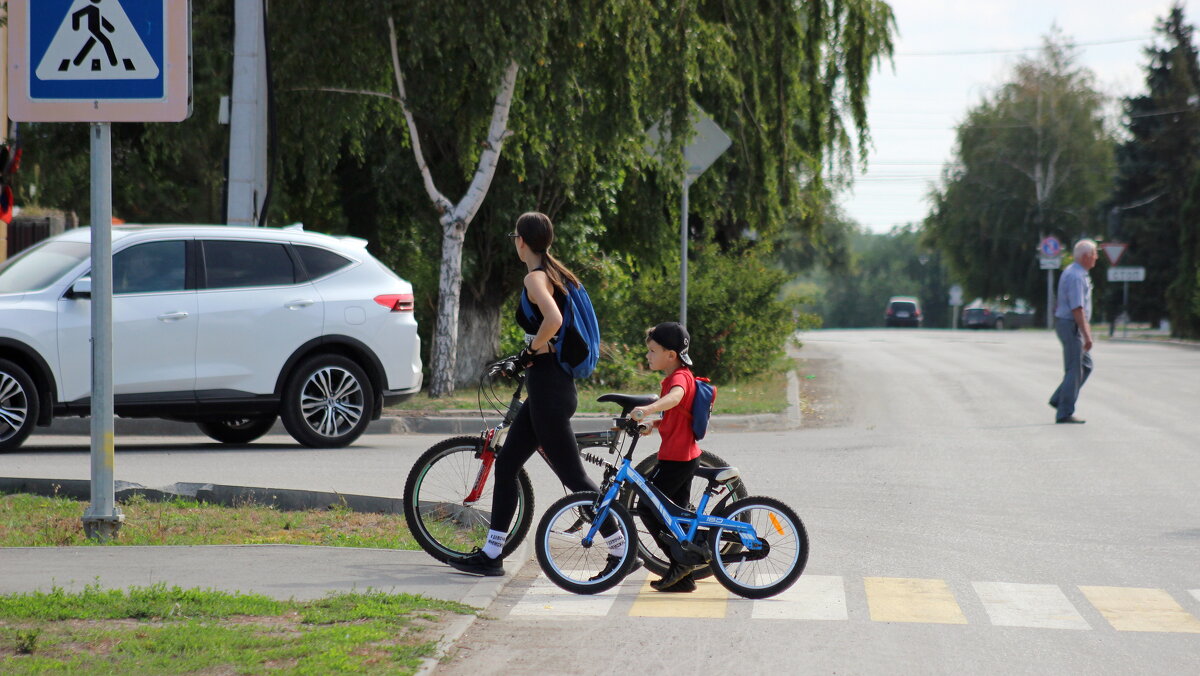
{"points": [[1138, 609], [709, 600], [898, 599]]}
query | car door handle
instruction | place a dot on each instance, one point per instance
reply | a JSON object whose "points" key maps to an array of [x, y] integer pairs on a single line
{"points": [[172, 316], [297, 304]]}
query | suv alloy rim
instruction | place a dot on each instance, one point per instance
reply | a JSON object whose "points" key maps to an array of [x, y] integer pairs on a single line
{"points": [[332, 401], [14, 406]]}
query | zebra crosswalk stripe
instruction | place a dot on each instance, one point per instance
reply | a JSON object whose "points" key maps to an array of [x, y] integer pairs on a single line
{"points": [[813, 597], [899, 599], [1138, 609], [1010, 604]]}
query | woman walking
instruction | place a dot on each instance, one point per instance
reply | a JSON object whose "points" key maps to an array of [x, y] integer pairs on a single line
{"points": [[545, 417]]}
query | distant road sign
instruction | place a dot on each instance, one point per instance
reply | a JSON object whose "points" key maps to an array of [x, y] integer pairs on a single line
{"points": [[1127, 273], [1114, 250], [99, 60], [1050, 247], [1051, 263], [956, 295]]}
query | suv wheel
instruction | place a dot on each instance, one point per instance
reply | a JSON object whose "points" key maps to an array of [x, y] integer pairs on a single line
{"points": [[326, 402], [1000, 323], [18, 406], [237, 430]]}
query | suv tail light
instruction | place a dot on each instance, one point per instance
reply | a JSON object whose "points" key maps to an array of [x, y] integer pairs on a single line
{"points": [[396, 302]]}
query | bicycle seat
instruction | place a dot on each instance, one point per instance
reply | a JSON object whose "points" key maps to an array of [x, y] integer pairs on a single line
{"points": [[718, 475], [628, 402]]}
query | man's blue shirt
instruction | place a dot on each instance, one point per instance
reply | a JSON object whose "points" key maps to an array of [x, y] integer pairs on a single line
{"points": [[1074, 290]]}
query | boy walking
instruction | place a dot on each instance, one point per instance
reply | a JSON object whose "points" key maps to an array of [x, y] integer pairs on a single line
{"points": [[678, 455]]}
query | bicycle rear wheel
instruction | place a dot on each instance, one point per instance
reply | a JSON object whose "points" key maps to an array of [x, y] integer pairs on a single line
{"points": [[435, 501], [757, 575], [561, 552], [655, 558]]}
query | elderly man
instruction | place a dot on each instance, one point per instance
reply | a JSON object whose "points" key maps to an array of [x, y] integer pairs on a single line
{"points": [[1072, 313]]}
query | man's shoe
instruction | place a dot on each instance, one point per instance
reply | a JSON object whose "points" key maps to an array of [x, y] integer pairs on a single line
{"points": [[613, 562], [685, 584], [1071, 420], [479, 563]]}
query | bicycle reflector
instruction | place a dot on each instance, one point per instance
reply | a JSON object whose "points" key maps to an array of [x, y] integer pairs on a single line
{"points": [[396, 302], [775, 522]]}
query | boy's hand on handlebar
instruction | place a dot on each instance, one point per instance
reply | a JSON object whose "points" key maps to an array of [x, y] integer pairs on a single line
{"points": [[638, 414]]}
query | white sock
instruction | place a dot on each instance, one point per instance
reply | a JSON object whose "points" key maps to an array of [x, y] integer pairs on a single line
{"points": [[616, 543], [495, 543]]}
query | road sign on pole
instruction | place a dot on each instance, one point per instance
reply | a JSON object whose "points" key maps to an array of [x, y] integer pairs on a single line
{"points": [[1126, 273], [99, 60], [1114, 250], [707, 144], [1050, 247]]}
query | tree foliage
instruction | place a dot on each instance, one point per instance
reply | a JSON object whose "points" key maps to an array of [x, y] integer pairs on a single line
{"points": [[1154, 204], [1033, 159], [787, 81]]}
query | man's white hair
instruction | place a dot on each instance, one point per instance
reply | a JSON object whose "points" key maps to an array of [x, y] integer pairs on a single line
{"points": [[1084, 246]]}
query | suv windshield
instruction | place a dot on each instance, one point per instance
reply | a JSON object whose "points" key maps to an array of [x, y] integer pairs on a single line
{"points": [[38, 267]]}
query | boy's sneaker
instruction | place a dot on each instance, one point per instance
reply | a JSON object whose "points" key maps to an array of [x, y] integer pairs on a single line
{"points": [[676, 573], [613, 562], [685, 584], [479, 563]]}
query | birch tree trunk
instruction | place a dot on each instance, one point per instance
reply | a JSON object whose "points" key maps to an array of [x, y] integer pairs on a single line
{"points": [[455, 218], [478, 337]]}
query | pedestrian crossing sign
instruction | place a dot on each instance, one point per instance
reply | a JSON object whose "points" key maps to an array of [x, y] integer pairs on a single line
{"points": [[100, 60]]}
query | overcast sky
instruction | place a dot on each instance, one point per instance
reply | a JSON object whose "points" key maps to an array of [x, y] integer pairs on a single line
{"points": [[940, 73]]}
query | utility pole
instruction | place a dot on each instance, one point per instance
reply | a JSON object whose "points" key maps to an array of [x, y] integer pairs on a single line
{"points": [[247, 183]]}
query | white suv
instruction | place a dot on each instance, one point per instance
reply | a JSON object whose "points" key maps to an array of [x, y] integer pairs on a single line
{"points": [[226, 327]]}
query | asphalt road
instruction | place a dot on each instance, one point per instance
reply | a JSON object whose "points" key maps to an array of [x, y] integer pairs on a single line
{"points": [[954, 527]]}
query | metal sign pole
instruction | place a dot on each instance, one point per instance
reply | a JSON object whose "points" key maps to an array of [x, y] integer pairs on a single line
{"points": [[1050, 299], [102, 519], [1125, 312], [683, 255]]}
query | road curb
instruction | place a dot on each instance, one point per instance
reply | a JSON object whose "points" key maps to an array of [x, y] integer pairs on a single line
{"points": [[481, 596], [287, 499]]}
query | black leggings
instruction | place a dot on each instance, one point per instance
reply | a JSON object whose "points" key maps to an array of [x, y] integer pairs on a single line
{"points": [[544, 420]]}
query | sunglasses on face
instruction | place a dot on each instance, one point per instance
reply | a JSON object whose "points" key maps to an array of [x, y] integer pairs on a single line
{"points": [[513, 235]]}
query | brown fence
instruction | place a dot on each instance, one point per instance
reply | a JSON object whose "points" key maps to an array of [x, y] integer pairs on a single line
{"points": [[25, 231]]}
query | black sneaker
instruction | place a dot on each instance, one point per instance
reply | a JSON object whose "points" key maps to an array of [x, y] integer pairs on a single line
{"points": [[479, 563], [685, 584], [613, 562], [675, 573]]}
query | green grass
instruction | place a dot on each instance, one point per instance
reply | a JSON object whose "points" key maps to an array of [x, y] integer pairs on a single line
{"points": [[162, 630], [35, 521], [765, 393]]}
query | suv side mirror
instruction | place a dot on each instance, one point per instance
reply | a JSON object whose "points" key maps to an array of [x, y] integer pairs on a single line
{"points": [[82, 288]]}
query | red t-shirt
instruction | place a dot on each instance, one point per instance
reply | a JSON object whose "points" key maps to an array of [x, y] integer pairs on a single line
{"points": [[678, 442]]}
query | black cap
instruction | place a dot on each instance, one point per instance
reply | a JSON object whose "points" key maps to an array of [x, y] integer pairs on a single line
{"points": [[672, 336]]}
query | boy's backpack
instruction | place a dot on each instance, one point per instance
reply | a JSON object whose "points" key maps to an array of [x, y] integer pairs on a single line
{"points": [[702, 406], [578, 339]]}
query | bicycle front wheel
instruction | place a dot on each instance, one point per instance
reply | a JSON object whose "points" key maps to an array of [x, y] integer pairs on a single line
{"points": [[443, 521], [757, 575], [656, 559], [567, 561]]}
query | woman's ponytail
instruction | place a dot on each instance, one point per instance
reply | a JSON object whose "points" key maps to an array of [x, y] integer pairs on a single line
{"points": [[538, 232]]}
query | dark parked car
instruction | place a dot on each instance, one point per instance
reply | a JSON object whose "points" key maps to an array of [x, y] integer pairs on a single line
{"points": [[997, 314], [902, 311]]}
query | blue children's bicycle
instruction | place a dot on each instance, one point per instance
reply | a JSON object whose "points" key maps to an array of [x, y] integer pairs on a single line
{"points": [[756, 546]]}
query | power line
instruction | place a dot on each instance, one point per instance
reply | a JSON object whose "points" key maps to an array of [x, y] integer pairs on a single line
{"points": [[1018, 50]]}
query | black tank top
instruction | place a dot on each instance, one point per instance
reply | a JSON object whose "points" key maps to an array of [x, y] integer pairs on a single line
{"points": [[531, 325]]}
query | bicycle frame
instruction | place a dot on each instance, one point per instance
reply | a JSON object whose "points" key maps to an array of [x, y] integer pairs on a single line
{"points": [[494, 437], [684, 528]]}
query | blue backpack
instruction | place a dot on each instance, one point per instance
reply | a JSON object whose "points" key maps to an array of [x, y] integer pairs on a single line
{"points": [[578, 340], [702, 406]]}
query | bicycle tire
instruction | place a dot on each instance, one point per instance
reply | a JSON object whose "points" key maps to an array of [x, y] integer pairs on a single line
{"points": [[652, 556], [446, 528], [560, 550], [777, 525]]}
